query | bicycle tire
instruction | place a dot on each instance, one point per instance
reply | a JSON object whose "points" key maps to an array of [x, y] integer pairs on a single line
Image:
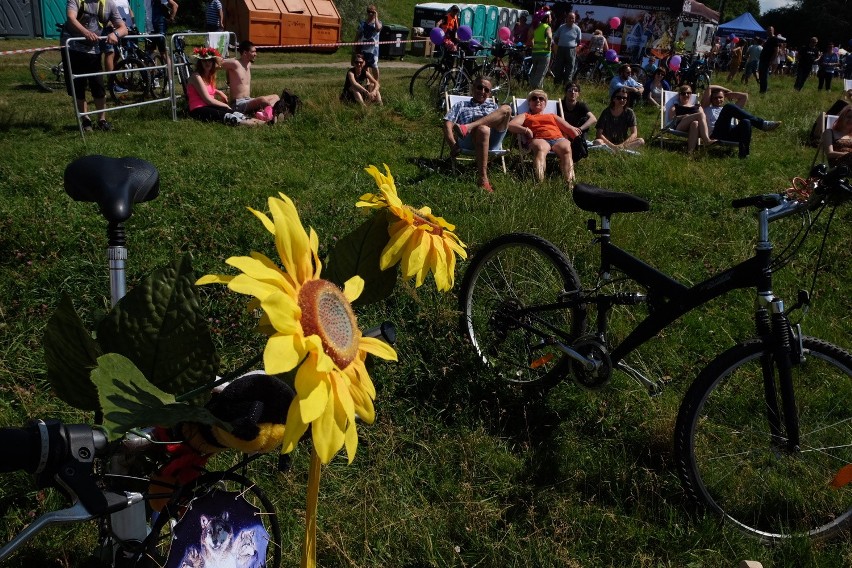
{"points": [[133, 78], [426, 82], [160, 539], [725, 459], [159, 77], [48, 70], [455, 82], [500, 88], [702, 82], [512, 271]]}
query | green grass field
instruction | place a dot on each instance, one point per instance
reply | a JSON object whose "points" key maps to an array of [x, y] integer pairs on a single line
{"points": [[459, 469]]}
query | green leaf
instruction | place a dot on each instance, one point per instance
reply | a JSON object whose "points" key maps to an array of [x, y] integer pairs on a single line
{"points": [[70, 353], [359, 253], [130, 401], [159, 326]]}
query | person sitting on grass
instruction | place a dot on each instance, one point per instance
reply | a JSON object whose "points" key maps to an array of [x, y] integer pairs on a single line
{"points": [[720, 117], [684, 117], [206, 102], [479, 125], [239, 79], [624, 80], [617, 129], [544, 132], [360, 85], [837, 140], [655, 86]]}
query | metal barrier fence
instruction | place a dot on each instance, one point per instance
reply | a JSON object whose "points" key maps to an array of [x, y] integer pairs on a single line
{"points": [[147, 70]]}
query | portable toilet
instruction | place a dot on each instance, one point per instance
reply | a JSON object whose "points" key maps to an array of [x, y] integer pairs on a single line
{"points": [[478, 26], [513, 18], [503, 18], [467, 15], [492, 19], [52, 13], [426, 16]]}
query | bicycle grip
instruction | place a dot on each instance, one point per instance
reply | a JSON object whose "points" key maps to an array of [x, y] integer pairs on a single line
{"points": [[22, 449]]}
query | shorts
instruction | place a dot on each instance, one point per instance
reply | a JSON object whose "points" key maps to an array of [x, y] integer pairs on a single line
{"points": [[370, 60], [158, 26], [554, 141], [241, 105], [495, 141], [751, 67], [84, 63]]}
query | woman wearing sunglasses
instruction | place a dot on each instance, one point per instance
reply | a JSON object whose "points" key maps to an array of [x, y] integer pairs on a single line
{"points": [[617, 129], [542, 132], [689, 118]]}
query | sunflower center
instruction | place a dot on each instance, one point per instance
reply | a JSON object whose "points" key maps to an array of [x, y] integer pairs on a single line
{"points": [[419, 220], [327, 313]]}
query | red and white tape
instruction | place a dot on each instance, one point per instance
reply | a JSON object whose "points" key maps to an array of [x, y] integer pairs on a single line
{"points": [[31, 50]]}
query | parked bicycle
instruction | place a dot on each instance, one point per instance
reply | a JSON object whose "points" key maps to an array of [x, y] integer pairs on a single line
{"points": [[48, 68], [451, 72], [141, 71], [762, 430]]}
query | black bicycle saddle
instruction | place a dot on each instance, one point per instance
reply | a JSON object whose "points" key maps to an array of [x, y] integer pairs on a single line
{"points": [[606, 202], [115, 184]]}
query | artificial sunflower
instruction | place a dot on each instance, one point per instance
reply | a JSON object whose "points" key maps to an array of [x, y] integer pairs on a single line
{"points": [[419, 240], [311, 325]]}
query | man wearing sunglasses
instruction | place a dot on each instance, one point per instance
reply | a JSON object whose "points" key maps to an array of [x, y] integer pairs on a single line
{"points": [[477, 125], [624, 80]]}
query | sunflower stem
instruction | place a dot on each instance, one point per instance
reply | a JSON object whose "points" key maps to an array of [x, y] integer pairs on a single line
{"points": [[309, 549]]}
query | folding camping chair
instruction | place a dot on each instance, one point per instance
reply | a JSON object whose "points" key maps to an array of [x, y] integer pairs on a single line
{"points": [[667, 100], [828, 121], [449, 101]]}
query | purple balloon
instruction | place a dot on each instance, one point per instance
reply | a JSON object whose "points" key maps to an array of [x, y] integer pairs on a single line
{"points": [[436, 36], [610, 55], [674, 63], [464, 33], [731, 37]]}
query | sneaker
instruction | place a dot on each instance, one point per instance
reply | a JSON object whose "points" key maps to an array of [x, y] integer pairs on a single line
{"points": [[769, 125], [460, 130], [119, 89], [87, 125], [104, 126], [231, 119]]}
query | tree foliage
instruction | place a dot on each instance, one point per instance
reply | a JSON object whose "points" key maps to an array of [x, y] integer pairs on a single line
{"points": [[734, 8], [829, 20]]}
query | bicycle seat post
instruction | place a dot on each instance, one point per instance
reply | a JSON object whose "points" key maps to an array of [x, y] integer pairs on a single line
{"points": [[117, 255]]}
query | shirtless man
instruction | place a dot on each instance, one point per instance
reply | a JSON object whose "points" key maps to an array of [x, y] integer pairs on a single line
{"points": [[239, 79]]}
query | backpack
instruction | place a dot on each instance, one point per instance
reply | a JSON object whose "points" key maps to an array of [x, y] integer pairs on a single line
{"points": [[579, 147], [288, 105]]}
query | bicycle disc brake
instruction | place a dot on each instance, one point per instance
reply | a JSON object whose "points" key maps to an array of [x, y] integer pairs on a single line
{"points": [[592, 348]]}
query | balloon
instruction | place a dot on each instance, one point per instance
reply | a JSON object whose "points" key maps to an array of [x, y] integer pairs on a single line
{"points": [[836, 50], [736, 40], [611, 55], [732, 37], [436, 36], [464, 33], [674, 63], [504, 33], [614, 22]]}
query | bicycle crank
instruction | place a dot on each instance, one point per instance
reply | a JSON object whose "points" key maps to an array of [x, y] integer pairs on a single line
{"points": [[598, 374]]}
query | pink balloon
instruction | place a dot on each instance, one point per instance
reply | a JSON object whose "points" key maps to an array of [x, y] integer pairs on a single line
{"points": [[674, 63], [614, 22], [504, 33]]}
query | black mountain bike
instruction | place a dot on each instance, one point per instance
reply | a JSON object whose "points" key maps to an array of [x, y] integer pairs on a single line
{"points": [[764, 428], [142, 73]]}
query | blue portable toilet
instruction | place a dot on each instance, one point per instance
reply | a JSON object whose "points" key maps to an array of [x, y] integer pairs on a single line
{"points": [[479, 14], [492, 18], [467, 15]]}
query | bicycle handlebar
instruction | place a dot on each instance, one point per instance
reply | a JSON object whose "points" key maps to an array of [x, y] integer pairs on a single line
{"points": [[828, 184], [43, 448]]}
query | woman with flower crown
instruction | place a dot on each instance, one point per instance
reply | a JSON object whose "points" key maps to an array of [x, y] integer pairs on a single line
{"points": [[206, 102]]}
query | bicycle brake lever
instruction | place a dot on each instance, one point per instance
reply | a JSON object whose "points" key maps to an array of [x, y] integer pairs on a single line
{"points": [[803, 301]]}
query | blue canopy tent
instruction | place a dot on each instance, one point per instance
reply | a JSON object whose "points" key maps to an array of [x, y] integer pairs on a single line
{"points": [[742, 26]]}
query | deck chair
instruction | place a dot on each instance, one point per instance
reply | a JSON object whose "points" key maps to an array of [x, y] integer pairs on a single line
{"points": [[554, 106], [828, 121], [449, 101], [667, 100], [847, 85]]}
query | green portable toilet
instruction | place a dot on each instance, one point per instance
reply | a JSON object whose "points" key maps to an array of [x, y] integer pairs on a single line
{"points": [[138, 7], [478, 27], [466, 16], [492, 20], [52, 13]]}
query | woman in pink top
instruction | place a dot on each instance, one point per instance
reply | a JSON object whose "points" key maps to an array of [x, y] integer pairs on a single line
{"points": [[206, 102]]}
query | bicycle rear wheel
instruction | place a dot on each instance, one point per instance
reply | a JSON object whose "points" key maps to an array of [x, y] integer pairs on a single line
{"points": [[499, 81], [455, 82], [131, 83], [48, 70], [426, 83], [509, 277], [242, 533], [727, 460]]}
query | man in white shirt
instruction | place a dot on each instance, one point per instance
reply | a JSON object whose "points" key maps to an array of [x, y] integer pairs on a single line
{"points": [[565, 42], [720, 117]]}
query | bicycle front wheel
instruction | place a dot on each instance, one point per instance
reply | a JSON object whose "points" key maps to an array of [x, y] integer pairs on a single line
{"points": [[426, 82], [224, 507], [131, 82], [455, 82], [48, 70], [728, 460], [505, 282]]}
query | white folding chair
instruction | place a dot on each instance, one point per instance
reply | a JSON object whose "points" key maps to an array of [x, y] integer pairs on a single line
{"points": [[667, 100], [553, 106], [449, 101], [847, 85]]}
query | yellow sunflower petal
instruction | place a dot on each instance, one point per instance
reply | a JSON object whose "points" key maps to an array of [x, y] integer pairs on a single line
{"points": [[257, 269], [341, 393], [294, 429], [327, 436], [270, 226], [353, 287], [213, 279], [351, 442], [400, 232], [281, 354], [414, 254], [378, 348], [312, 389], [247, 285], [283, 312]]}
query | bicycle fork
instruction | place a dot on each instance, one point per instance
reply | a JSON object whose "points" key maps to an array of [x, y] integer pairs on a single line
{"points": [[779, 393]]}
